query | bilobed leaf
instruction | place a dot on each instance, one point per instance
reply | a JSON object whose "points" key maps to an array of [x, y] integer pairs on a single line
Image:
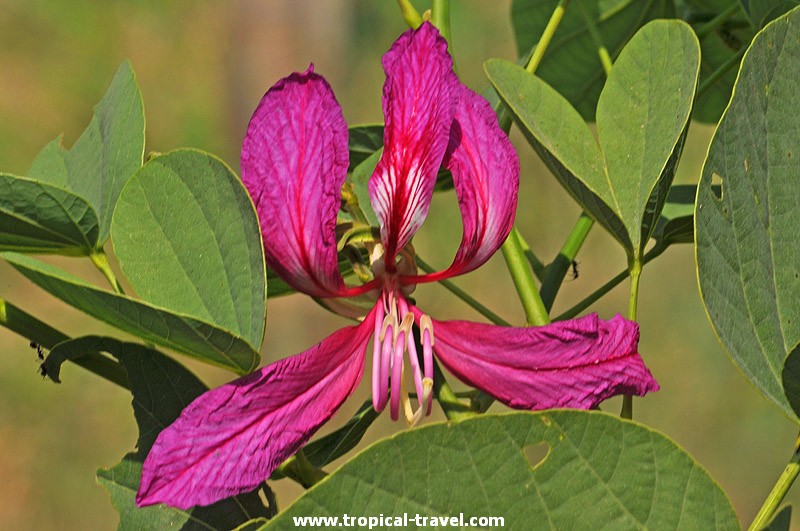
{"points": [[559, 135], [185, 334], [642, 117], [599, 472], [161, 389], [36, 217], [188, 240], [106, 154], [748, 258], [571, 63], [561, 138]]}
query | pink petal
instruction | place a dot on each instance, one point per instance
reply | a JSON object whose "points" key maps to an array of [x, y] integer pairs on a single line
{"points": [[419, 99], [485, 172], [575, 364], [230, 439], [294, 162]]}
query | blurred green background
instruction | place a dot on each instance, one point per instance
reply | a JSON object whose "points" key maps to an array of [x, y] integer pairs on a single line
{"points": [[202, 67]]}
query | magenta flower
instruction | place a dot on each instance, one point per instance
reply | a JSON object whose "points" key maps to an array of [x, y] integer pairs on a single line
{"points": [[294, 163]]}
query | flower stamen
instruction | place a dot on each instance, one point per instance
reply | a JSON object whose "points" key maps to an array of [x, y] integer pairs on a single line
{"points": [[413, 417], [378, 385], [426, 335]]}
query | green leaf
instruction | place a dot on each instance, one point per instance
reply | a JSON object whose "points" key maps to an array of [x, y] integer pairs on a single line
{"points": [[559, 135], [336, 444], [748, 259], [790, 376], [188, 240], [39, 218], [621, 179], [276, 286], [182, 333], [642, 118], [781, 521], [122, 482], [718, 48], [106, 154], [676, 224], [364, 140], [571, 63], [360, 181], [50, 165], [161, 389], [762, 12], [593, 471]]}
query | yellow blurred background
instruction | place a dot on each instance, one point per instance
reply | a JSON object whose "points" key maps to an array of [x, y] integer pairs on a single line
{"points": [[202, 67]]}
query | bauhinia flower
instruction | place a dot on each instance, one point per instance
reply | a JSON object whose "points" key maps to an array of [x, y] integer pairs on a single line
{"points": [[294, 163]]}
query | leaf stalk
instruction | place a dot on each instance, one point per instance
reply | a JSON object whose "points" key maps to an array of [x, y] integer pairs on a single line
{"points": [[779, 491]]}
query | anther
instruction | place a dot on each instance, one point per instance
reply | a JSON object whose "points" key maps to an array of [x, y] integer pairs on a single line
{"points": [[405, 326], [413, 417]]}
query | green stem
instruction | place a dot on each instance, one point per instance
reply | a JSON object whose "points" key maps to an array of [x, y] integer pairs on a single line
{"points": [[513, 252], [464, 296], [554, 275], [635, 270], [410, 14], [557, 270], [454, 409], [299, 469], [594, 33], [547, 36], [100, 260], [35, 330], [608, 286], [719, 72], [537, 265], [440, 17], [778, 492], [521, 274], [713, 24]]}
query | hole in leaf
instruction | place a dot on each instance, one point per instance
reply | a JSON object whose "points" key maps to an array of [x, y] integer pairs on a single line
{"points": [[536, 454]]}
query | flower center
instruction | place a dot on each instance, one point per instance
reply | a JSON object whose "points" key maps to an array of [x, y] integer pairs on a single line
{"points": [[393, 337]]}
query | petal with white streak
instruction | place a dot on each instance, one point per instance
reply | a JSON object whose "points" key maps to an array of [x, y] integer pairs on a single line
{"points": [[485, 172], [419, 101]]}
